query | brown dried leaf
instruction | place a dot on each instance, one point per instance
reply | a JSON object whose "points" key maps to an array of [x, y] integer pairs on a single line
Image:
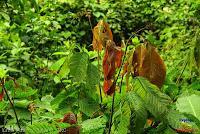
{"points": [[101, 34], [148, 63]]}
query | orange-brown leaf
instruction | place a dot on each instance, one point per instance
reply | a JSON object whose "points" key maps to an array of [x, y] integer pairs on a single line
{"points": [[101, 34], [1, 95], [118, 57], [148, 63], [71, 119]]}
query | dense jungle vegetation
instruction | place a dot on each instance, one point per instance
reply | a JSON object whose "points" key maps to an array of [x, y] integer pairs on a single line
{"points": [[100, 66]]}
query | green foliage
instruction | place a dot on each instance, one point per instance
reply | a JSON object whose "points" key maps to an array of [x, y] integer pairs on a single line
{"points": [[189, 104], [180, 121], [45, 47], [92, 78], [155, 101], [94, 126], [122, 119], [78, 66], [41, 128], [139, 112]]}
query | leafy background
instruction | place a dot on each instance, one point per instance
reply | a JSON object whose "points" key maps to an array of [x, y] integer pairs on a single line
{"points": [[45, 45]]}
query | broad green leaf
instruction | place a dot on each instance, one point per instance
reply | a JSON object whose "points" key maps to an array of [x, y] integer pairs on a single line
{"points": [[19, 93], [59, 98], [78, 66], [3, 105], [64, 70], [92, 78], [55, 66], [94, 126], [155, 101], [138, 111], [41, 128], [179, 121], [135, 40], [2, 73], [88, 106], [189, 104], [121, 119], [22, 103]]}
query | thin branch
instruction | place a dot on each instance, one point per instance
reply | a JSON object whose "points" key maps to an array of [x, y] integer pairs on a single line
{"points": [[11, 103], [123, 60], [113, 98], [99, 84], [112, 111], [98, 59]]}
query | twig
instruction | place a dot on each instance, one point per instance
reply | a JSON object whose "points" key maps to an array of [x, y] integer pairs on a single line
{"points": [[99, 84], [113, 99], [11, 103], [98, 59], [112, 111]]}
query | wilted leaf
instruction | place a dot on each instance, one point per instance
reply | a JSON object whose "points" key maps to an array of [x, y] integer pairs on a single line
{"points": [[148, 63], [1, 95], [111, 61], [101, 34]]}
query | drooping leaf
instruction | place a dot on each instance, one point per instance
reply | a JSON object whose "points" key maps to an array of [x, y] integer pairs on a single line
{"points": [[101, 34], [111, 61], [78, 66], [189, 104], [147, 63], [155, 101]]}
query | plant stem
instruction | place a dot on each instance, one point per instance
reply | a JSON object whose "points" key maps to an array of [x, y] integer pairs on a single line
{"points": [[112, 111], [99, 84], [11, 103], [113, 99], [98, 59]]}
